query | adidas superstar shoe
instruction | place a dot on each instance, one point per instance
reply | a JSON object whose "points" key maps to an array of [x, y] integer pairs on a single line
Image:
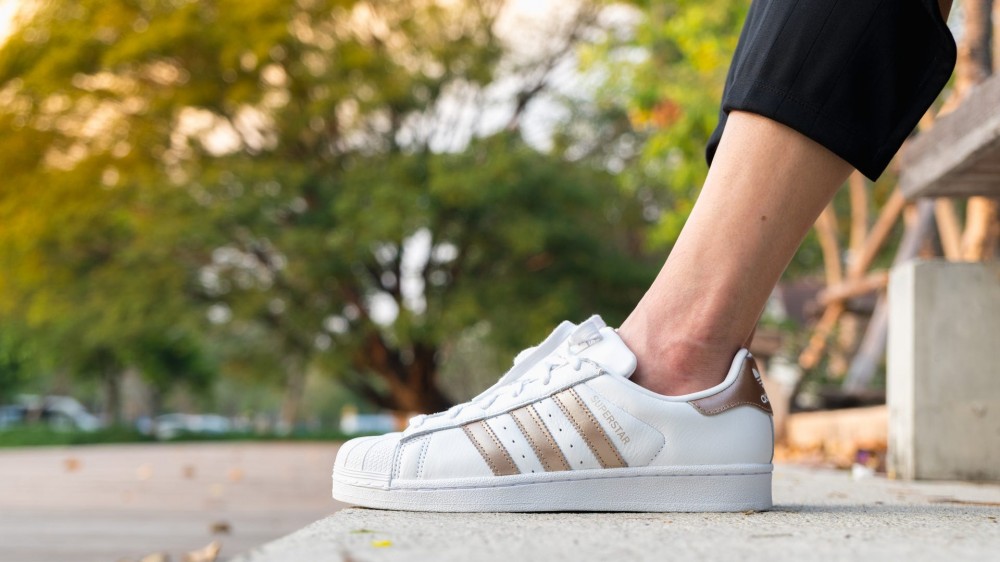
{"points": [[566, 430]]}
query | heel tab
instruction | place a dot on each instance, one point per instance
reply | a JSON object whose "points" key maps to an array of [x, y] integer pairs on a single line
{"points": [[746, 390]]}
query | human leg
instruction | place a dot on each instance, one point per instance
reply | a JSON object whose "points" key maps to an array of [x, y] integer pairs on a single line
{"points": [[767, 185], [809, 95], [566, 428]]}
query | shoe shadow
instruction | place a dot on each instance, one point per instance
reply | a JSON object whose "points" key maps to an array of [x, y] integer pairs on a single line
{"points": [[943, 507]]}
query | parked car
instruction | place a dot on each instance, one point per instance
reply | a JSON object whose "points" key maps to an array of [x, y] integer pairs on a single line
{"points": [[58, 412], [170, 426], [354, 423], [12, 415]]}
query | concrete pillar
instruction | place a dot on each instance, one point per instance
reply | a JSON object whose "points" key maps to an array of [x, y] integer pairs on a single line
{"points": [[943, 378]]}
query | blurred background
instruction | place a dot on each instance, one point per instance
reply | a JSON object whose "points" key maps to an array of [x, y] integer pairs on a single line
{"points": [[276, 220], [279, 212]]}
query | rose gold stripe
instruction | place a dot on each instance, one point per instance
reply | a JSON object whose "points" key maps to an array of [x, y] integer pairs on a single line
{"points": [[540, 439], [593, 434], [492, 451]]}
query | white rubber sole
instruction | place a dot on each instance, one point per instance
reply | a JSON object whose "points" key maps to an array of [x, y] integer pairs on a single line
{"points": [[672, 489]]}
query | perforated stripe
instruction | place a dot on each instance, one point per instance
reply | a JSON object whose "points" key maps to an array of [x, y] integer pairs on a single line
{"points": [[490, 448], [586, 425], [540, 439]]}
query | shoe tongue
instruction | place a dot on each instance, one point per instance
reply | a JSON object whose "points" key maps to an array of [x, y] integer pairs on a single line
{"points": [[587, 330], [595, 341]]}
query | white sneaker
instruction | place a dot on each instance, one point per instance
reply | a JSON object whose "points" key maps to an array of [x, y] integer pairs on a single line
{"points": [[566, 430]]}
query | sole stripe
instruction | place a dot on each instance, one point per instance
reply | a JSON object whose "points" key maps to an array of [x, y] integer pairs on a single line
{"points": [[586, 425], [490, 448]]}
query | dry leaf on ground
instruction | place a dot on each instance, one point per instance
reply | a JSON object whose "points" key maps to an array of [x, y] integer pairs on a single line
{"points": [[207, 554]]}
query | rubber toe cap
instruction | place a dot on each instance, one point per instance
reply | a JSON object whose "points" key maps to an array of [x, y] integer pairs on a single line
{"points": [[367, 461]]}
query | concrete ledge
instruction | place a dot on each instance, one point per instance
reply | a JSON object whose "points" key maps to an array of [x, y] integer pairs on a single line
{"points": [[819, 514], [960, 155]]}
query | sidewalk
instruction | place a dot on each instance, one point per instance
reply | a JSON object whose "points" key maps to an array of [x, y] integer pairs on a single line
{"points": [[110, 503], [818, 514]]}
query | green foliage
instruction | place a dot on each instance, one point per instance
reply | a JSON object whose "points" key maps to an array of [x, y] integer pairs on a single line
{"points": [[39, 435], [169, 358], [16, 364], [304, 175], [669, 71]]}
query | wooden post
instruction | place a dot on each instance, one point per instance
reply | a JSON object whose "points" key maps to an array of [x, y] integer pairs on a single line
{"points": [[859, 213], [872, 348], [949, 228]]}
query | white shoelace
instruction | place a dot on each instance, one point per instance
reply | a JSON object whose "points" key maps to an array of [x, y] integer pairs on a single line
{"points": [[563, 357]]}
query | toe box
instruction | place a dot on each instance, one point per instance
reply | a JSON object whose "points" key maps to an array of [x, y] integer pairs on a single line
{"points": [[367, 461]]}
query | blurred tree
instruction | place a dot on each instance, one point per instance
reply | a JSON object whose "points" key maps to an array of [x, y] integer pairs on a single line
{"points": [[339, 184], [15, 364], [667, 65], [167, 359]]}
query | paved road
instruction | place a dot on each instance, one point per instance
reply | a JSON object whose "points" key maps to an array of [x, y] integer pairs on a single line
{"points": [[122, 502], [820, 515]]}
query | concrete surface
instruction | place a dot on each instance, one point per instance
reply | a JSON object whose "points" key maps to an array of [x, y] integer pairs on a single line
{"points": [[819, 515], [122, 502], [944, 370]]}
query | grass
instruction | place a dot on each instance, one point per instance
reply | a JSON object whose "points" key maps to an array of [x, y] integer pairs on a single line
{"points": [[29, 436], [37, 436]]}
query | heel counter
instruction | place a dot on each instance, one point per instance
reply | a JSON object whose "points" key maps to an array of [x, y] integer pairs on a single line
{"points": [[765, 400], [750, 367], [746, 390]]}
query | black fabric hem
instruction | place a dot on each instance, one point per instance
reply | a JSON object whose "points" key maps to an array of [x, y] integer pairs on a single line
{"points": [[855, 141]]}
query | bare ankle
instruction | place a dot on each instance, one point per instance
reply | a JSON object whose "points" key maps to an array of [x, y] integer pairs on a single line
{"points": [[676, 365]]}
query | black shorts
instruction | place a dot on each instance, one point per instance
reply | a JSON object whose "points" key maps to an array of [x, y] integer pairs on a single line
{"points": [[854, 75]]}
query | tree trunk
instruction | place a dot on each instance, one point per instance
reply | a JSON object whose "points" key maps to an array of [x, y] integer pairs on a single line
{"points": [[156, 399], [111, 380], [426, 401], [291, 404], [416, 390], [412, 382]]}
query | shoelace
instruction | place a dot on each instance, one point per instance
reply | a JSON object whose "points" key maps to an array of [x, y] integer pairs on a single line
{"points": [[564, 357]]}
